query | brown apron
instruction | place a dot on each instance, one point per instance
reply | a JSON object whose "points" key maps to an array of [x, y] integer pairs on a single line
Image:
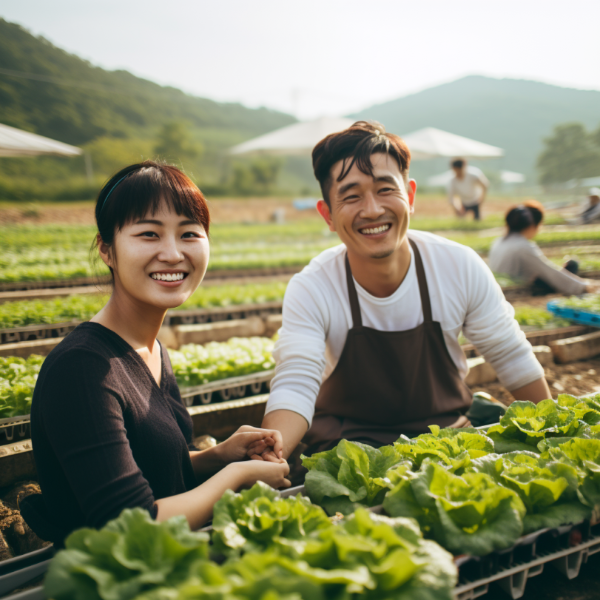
{"points": [[388, 383]]}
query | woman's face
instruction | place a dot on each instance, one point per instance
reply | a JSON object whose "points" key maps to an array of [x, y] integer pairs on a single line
{"points": [[160, 259]]}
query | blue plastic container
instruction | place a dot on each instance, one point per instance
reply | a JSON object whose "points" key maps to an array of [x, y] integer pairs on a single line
{"points": [[577, 315]]}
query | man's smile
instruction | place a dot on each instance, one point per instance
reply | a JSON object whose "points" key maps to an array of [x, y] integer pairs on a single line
{"points": [[375, 230]]}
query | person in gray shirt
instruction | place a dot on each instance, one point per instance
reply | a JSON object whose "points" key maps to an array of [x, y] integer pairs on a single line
{"points": [[519, 257]]}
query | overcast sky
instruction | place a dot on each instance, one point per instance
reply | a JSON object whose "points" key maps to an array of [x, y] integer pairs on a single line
{"points": [[315, 57]]}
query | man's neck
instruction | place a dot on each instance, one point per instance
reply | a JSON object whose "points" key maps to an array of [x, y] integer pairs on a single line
{"points": [[381, 277]]}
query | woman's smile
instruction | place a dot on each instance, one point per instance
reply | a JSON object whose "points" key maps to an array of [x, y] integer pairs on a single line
{"points": [[169, 278]]}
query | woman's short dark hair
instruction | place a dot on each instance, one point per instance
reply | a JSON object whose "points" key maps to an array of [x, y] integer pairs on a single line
{"points": [[519, 218], [141, 189], [357, 142]]}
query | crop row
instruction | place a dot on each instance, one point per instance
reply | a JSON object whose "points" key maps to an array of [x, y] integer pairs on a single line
{"points": [[472, 492], [62, 252], [589, 302], [82, 308], [192, 365], [195, 364]]}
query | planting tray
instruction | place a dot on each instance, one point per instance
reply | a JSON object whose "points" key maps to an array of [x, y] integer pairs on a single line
{"points": [[17, 572], [227, 389], [577, 315], [14, 429]]}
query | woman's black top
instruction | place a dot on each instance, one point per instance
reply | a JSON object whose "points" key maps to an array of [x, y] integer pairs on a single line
{"points": [[105, 435]]}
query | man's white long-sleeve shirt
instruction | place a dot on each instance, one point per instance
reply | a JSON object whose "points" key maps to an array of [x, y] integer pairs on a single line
{"points": [[464, 296]]}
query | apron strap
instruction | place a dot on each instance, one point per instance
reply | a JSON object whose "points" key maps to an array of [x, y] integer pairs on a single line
{"points": [[353, 297], [423, 288]]}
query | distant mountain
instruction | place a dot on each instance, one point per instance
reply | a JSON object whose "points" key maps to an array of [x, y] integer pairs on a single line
{"points": [[511, 113], [71, 100]]}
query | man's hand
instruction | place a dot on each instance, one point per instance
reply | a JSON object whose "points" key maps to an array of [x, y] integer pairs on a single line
{"points": [[462, 421], [592, 287]]}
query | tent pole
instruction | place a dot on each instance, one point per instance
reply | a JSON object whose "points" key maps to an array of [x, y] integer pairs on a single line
{"points": [[89, 169]]}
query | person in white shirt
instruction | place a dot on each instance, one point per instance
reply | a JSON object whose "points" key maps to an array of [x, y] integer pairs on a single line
{"points": [[369, 347], [470, 185]]}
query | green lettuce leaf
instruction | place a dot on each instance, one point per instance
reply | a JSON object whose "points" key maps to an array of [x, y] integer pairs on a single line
{"points": [[255, 518], [452, 448], [348, 476], [471, 514], [547, 487], [585, 455], [128, 556], [586, 409], [525, 424]]}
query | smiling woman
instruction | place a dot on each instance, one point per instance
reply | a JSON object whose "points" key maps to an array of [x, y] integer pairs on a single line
{"points": [[108, 425]]}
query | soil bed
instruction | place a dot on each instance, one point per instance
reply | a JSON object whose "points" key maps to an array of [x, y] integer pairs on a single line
{"points": [[578, 379]]}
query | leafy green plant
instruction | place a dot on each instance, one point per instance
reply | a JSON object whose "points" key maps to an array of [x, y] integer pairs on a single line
{"points": [[538, 318], [548, 488], [468, 514], [589, 302], [452, 448], [194, 364], [525, 424], [82, 308], [130, 555], [254, 519], [17, 380], [349, 475], [365, 556], [585, 455], [586, 408]]}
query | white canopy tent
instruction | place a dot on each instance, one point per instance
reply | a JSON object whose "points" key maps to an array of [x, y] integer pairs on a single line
{"points": [[294, 140], [15, 142], [511, 177], [434, 143]]}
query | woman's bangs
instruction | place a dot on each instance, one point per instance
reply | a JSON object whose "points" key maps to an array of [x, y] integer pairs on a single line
{"points": [[149, 191]]}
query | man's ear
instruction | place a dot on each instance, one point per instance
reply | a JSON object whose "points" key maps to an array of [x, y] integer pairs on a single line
{"points": [[325, 212], [411, 188]]}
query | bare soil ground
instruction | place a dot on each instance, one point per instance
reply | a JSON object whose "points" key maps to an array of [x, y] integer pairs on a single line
{"points": [[223, 210], [578, 379]]}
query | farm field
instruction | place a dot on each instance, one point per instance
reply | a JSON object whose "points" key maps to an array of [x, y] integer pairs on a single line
{"points": [[81, 308], [62, 252], [195, 365]]}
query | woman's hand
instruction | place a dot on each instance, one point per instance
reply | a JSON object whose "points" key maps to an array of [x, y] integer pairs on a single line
{"points": [[272, 473], [249, 441]]}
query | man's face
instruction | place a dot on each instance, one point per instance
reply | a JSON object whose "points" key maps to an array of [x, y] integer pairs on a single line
{"points": [[370, 214], [459, 171]]}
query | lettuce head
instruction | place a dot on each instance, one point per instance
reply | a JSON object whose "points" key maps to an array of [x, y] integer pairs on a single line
{"points": [[254, 519], [452, 448], [468, 514], [349, 476]]}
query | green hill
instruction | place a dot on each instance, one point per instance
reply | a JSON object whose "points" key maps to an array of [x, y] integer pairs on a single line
{"points": [[513, 114], [46, 90]]}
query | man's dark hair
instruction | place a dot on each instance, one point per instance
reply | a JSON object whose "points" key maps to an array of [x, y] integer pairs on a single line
{"points": [[357, 142], [459, 163]]}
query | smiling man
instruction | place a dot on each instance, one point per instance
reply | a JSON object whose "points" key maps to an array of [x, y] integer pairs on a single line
{"points": [[369, 346]]}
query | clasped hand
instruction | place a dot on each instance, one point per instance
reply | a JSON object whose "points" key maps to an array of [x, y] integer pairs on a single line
{"points": [[252, 442]]}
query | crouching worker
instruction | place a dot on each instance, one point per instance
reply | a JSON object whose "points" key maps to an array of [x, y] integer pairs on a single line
{"points": [[518, 256], [109, 428], [369, 345]]}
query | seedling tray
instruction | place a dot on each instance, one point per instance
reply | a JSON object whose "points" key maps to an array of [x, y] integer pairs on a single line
{"points": [[577, 315], [17, 572]]}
